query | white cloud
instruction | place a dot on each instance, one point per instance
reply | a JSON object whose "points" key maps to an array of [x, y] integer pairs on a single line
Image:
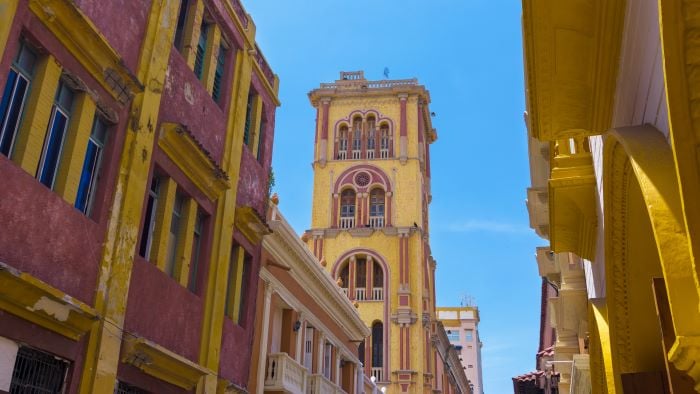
{"points": [[489, 226]]}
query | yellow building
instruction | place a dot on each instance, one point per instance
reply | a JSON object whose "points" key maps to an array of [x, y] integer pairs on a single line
{"points": [[612, 114], [370, 218]]}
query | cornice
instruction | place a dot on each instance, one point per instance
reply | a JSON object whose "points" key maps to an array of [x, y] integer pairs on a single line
{"points": [[306, 269]]}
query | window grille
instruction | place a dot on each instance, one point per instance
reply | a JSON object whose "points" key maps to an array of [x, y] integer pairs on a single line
{"points": [[219, 74], [125, 388], [37, 372], [201, 51]]}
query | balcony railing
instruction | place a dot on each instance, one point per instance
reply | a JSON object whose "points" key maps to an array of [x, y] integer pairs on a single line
{"points": [[361, 294], [318, 384], [377, 374], [342, 154], [348, 222], [284, 374], [356, 154], [384, 153], [376, 221], [377, 294], [370, 153]]}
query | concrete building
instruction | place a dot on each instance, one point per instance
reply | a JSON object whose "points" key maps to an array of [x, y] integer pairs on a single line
{"points": [[370, 226], [462, 327], [136, 139], [307, 331], [613, 128]]}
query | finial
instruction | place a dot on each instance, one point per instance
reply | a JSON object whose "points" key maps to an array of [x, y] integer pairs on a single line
{"points": [[275, 199]]}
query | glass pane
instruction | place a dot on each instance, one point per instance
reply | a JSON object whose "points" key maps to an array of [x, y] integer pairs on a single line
{"points": [[52, 147], [11, 108], [181, 19], [86, 176], [64, 97], [26, 59]]}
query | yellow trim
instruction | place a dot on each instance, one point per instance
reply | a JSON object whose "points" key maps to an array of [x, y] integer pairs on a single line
{"points": [[187, 154], [37, 114], [102, 355], [193, 25], [572, 209], [647, 153], [568, 96], [603, 378], [185, 242], [250, 224], [161, 363], [255, 125], [213, 42], [212, 328], [7, 15], [31, 299], [74, 148], [235, 280], [77, 34], [167, 191]]}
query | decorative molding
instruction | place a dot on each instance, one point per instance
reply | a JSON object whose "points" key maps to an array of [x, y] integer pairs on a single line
{"points": [[31, 299], [572, 53], [84, 41], [250, 224], [162, 363], [306, 269], [195, 162]]}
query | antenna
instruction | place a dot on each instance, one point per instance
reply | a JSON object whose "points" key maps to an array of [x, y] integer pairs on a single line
{"points": [[386, 72], [466, 300]]}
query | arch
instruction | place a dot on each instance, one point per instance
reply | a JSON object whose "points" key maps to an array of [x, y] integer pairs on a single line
{"points": [[365, 135], [645, 238], [377, 177]]}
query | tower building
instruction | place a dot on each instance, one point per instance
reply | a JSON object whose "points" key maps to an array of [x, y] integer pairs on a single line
{"points": [[370, 219]]}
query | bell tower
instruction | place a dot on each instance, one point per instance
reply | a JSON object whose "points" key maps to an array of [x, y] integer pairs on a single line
{"points": [[369, 224]]}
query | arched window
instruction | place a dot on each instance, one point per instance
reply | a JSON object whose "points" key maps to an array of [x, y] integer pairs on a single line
{"points": [[357, 138], [347, 209], [384, 141], [345, 277], [343, 142], [371, 137], [361, 279], [377, 350], [376, 208]]}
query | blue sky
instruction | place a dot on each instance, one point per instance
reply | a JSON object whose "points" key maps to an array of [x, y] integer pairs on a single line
{"points": [[468, 54]]}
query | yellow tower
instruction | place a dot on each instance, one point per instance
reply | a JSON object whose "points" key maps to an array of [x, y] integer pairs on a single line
{"points": [[370, 219]]}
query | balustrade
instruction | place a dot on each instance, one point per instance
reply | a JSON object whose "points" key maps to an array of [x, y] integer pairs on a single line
{"points": [[377, 294], [347, 222], [376, 221], [284, 374], [361, 294], [377, 374]]}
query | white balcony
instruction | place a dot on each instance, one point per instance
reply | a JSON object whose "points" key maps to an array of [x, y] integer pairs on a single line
{"points": [[342, 154], [384, 153], [377, 374], [376, 221], [284, 374], [347, 222], [378, 294], [318, 384], [361, 294], [370, 153], [356, 154]]}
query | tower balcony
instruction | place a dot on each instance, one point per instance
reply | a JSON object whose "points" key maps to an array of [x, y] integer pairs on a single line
{"points": [[347, 222], [285, 374]]}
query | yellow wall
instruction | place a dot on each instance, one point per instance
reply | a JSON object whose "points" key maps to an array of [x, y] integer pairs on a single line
{"points": [[406, 209]]}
